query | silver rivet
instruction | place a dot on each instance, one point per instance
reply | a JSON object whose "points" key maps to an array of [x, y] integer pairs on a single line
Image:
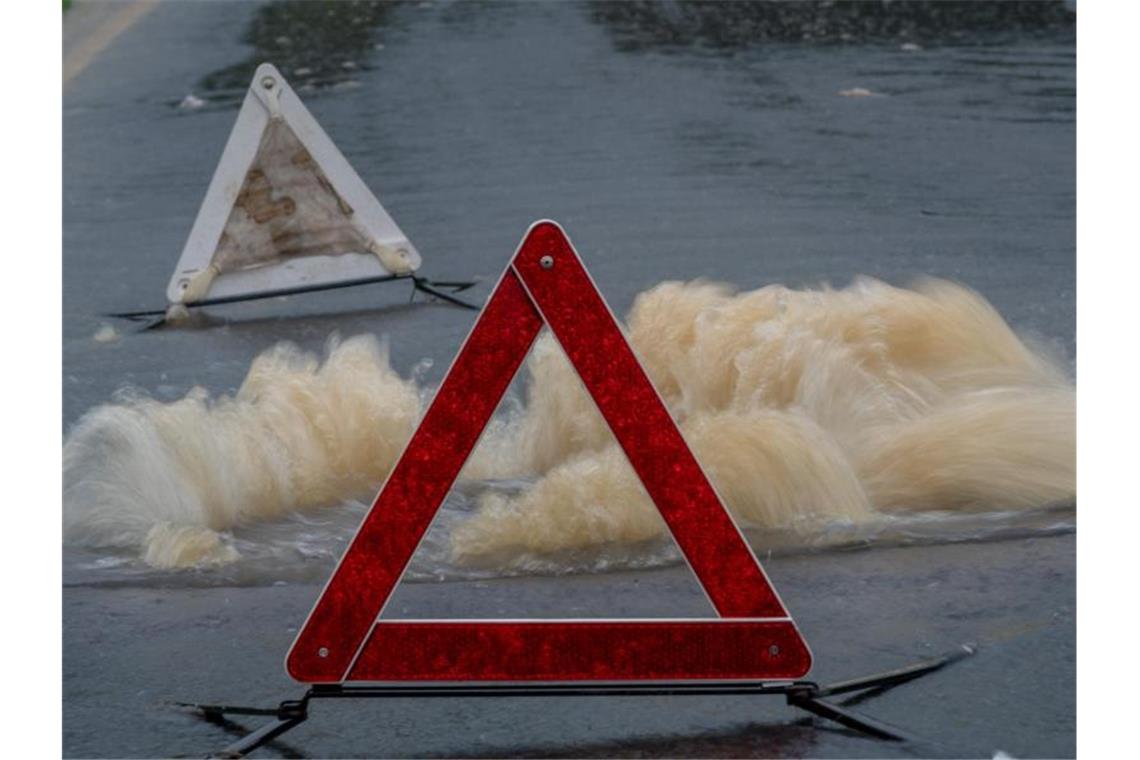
{"points": [[267, 82], [323, 652], [773, 650], [546, 261]]}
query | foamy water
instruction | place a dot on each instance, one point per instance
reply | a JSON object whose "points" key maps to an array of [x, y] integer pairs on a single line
{"points": [[823, 417]]}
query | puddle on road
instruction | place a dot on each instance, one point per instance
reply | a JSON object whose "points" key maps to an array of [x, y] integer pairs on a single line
{"points": [[724, 27], [327, 44], [316, 45]]}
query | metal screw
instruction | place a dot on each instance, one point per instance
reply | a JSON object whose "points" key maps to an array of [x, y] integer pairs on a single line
{"points": [[546, 262], [267, 82], [773, 650], [323, 652]]}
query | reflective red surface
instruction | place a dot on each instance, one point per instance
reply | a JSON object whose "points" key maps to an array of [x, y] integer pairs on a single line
{"points": [[581, 650], [547, 282]]}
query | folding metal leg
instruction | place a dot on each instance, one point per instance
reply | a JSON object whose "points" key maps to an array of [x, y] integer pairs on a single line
{"points": [[899, 676], [806, 700], [811, 698], [157, 317], [259, 738], [804, 695]]}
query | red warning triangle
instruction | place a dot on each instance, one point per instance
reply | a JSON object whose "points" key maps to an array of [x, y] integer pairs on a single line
{"points": [[344, 638]]}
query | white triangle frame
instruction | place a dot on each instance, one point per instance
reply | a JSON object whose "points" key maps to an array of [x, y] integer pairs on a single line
{"points": [[270, 97]]}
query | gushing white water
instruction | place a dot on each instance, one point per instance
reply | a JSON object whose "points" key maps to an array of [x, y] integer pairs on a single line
{"points": [[808, 409]]}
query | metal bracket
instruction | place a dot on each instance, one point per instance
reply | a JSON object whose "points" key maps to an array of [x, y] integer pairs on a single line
{"points": [[267, 87], [805, 695], [157, 317]]}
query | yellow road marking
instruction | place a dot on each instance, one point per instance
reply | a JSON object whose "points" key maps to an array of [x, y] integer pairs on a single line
{"points": [[103, 35]]}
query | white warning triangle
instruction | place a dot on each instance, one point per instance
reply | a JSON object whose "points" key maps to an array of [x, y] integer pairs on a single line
{"points": [[284, 209]]}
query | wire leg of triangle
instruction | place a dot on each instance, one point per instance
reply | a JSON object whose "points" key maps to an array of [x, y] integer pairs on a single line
{"points": [[152, 318], [805, 695], [432, 288]]}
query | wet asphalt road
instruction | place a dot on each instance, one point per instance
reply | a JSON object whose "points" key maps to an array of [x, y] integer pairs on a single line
{"points": [[130, 652], [666, 156]]}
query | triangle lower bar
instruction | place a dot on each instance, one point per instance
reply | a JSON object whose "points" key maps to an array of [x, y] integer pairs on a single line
{"points": [[576, 650]]}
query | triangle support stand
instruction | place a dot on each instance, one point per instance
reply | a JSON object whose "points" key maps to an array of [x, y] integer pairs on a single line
{"points": [[157, 317], [805, 695]]}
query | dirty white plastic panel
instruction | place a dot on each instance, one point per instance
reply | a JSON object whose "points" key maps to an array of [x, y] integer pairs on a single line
{"points": [[285, 209]]}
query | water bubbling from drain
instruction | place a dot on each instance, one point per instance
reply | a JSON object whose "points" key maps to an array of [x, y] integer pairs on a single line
{"points": [[808, 409]]}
